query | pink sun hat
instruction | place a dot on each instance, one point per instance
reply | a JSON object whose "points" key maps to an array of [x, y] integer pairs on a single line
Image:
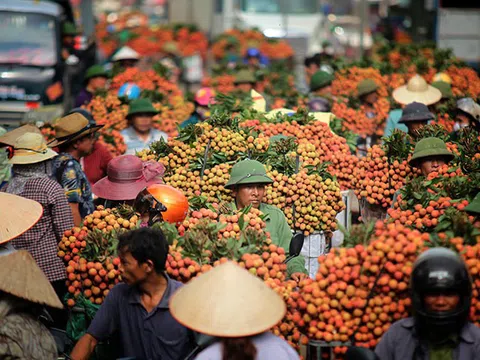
{"points": [[205, 96], [127, 175]]}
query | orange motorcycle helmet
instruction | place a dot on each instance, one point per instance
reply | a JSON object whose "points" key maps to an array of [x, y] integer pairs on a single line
{"points": [[163, 201]]}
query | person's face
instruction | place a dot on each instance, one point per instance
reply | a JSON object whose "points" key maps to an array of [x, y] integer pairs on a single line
{"points": [[245, 87], [85, 145], [371, 98], [441, 302], [203, 111], [97, 83], [249, 194], [416, 125], [431, 164], [134, 273], [311, 69], [142, 122], [253, 61], [129, 63], [68, 40], [462, 119]]}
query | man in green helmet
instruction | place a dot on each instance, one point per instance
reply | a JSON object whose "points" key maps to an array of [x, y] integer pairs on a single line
{"points": [[248, 179], [430, 154]]}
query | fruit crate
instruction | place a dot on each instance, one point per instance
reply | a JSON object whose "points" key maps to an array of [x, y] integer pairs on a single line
{"points": [[315, 245], [317, 350]]}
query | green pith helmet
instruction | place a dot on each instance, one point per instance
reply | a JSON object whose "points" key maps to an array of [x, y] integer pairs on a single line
{"points": [[320, 79], [69, 29], [248, 172], [444, 87], [96, 71], [245, 77], [366, 86], [474, 207], [141, 106], [429, 147]]}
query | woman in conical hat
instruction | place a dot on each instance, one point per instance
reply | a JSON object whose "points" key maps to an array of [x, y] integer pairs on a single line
{"points": [[236, 307], [24, 288]]}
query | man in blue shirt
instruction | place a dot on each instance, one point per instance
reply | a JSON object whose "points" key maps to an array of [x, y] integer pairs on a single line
{"points": [[138, 310], [141, 133]]}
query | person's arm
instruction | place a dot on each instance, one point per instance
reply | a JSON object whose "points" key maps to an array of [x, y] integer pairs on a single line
{"points": [[84, 348], [297, 264], [385, 347], [104, 324], [77, 218], [71, 187], [62, 214]]}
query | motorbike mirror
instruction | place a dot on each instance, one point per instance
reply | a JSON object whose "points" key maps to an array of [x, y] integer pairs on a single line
{"points": [[296, 244], [360, 353]]}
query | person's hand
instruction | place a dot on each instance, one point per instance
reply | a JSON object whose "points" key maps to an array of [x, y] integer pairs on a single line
{"points": [[298, 276]]}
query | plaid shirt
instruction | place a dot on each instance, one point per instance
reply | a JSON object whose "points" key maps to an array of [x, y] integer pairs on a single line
{"points": [[42, 239]]}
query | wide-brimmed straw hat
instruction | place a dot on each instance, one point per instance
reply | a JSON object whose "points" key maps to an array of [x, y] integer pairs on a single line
{"points": [[126, 176], [18, 214], [20, 276], [417, 90], [72, 127], [10, 137], [227, 301], [31, 148]]}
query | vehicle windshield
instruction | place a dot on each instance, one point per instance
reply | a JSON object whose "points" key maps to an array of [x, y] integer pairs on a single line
{"points": [[275, 6], [27, 39]]}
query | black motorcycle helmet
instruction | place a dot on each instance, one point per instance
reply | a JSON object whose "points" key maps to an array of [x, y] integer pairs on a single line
{"points": [[440, 271]]}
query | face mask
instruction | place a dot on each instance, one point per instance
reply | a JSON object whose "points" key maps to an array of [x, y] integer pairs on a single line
{"points": [[459, 126]]}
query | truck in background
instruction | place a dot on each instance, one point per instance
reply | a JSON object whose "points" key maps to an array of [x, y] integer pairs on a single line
{"points": [[36, 82]]}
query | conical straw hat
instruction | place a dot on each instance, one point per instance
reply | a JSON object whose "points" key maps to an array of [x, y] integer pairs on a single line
{"points": [[18, 214], [20, 276], [417, 90], [227, 301], [126, 53]]}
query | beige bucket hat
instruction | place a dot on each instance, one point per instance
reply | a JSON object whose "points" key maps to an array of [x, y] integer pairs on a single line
{"points": [[20, 276], [417, 90], [31, 148], [10, 137], [227, 301], [72, 127], [18, 214]]}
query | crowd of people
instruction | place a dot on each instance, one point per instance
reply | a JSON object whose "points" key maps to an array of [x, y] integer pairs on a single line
{"points": [[50, 188]]}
